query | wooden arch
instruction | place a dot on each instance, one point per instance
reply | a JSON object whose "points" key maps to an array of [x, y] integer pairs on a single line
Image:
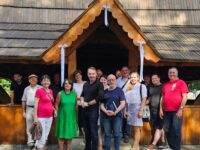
{"points": [[85, 20]]}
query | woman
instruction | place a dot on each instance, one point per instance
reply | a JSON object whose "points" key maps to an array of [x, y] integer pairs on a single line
{"points": [[136, 95], [103, 80], [78, 88], [43, 110], [66, 122]]}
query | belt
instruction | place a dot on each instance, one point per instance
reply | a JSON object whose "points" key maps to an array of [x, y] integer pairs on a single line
{"points": [[30, 106]]}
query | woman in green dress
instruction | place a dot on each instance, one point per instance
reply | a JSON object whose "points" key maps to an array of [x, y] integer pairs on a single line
{"points": [[66, 112]]}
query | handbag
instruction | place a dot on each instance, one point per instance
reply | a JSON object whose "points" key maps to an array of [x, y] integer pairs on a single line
{"points": [[36, 131], [146, 110]]}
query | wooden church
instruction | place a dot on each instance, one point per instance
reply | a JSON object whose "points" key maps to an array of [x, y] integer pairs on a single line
{"points": [[107, 34]]}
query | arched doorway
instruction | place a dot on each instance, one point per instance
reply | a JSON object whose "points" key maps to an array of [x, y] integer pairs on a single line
{"points": [[102, 50]]}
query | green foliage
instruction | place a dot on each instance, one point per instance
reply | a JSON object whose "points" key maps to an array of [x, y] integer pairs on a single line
{"points": [[5, 83], [194, 86]]}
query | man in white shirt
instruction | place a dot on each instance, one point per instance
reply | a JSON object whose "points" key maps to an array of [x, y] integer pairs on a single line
{"points": [[28, 104]]}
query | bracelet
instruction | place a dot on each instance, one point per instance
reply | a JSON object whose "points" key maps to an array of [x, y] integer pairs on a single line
{"points": [[181, 107]]}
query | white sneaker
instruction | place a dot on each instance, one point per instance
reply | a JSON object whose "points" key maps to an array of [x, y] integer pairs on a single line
{"points": [[30, 144], [82, 143]]}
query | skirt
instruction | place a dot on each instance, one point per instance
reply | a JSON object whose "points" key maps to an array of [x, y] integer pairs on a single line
{"points": [[133, 119]]}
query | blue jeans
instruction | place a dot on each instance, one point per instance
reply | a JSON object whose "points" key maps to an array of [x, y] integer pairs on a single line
{"points": [[172, 127], [91, 128], [112, 125]]}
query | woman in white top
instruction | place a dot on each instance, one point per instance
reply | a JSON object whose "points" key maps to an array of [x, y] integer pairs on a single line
{"points": [[135, 106], [78, 88]]}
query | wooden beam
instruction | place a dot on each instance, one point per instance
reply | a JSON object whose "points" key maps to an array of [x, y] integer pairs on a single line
{"points": [[172, 63], [133, 60], [72, 64], [76, 29], [22, 60], [84, 36], [127, 42], [133, 30]]}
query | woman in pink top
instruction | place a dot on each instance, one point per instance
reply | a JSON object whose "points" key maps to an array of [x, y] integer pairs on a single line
{"points": [[43, 113]]}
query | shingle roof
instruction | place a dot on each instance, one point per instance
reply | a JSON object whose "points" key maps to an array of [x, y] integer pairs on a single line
{"points": [[27, 39], [171, 26], [180, 43]]}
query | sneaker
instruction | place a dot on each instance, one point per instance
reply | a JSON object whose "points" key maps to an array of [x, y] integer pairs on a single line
{"points": [[151, 147], [82, 143], [162, 145], [30, 144], [126, 140]]}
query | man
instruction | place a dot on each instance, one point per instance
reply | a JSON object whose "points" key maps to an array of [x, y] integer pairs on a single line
{"points": [[122, 83], [28, 105], [173, 100], [147, 80], [112, 104], [17, 89], [156, 122], [90, 97], [56, 85], [123, 80]]}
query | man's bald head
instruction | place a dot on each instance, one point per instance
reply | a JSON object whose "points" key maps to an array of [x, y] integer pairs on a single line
{"points": [[111, 79]]}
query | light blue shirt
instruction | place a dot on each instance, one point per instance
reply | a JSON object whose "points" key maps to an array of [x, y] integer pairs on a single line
{"points": [[121, 82]]}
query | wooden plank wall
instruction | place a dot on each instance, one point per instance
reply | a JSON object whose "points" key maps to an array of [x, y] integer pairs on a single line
{"points": [[12, 126]]}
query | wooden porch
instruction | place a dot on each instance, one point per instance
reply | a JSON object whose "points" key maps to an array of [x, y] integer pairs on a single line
{"points": [[13, 130]]}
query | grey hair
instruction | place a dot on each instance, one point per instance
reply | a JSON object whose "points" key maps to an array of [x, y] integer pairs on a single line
{"points": [[174, 69], [111, 75]]}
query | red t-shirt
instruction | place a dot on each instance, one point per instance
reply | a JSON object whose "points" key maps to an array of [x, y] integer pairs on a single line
{"points": [[45, 107], [172, 94]]}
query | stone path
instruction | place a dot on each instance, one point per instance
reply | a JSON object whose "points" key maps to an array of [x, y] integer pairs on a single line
{"points": [[77, 146]]}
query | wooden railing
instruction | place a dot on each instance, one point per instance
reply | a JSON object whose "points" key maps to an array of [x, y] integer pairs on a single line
{"points": [[13, 131]]}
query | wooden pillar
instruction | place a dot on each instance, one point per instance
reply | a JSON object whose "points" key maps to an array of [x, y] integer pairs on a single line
{"points": [[72, 64], [133, 60]]}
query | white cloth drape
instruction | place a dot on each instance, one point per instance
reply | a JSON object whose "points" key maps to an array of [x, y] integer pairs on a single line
{"points": [[106, 7], [62, 63], [141, 47]]}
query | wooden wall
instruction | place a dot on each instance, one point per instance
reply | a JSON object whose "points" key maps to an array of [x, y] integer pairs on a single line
{"points": [[12, 126]]}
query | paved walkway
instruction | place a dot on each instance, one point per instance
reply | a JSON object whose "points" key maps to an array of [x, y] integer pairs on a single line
{"points": [[77, 146]]}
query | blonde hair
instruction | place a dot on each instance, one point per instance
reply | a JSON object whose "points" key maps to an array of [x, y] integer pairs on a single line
{"points": [[130, 85]]}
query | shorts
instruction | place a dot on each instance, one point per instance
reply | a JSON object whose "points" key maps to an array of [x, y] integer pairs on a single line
{"points": [[156, 121]]}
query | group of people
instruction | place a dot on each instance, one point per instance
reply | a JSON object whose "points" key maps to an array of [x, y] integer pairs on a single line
{"points": [[104, 107]]}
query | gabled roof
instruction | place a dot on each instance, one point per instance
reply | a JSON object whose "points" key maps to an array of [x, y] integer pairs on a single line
{"points": [[88, 17], [171, 26]]}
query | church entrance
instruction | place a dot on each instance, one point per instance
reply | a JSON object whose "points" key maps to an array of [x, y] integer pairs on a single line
{"points": [[103, 51]]}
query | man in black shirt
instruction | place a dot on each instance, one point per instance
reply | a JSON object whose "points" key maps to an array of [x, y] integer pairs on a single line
{"points": [[56, 86], [156, 122], [90, 97], [17, 89]]}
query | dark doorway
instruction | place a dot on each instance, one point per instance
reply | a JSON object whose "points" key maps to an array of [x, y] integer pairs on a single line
{"points": [[102, 50]]}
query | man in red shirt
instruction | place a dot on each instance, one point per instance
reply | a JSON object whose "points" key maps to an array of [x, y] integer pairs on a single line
{"points": [[173, 100]]}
